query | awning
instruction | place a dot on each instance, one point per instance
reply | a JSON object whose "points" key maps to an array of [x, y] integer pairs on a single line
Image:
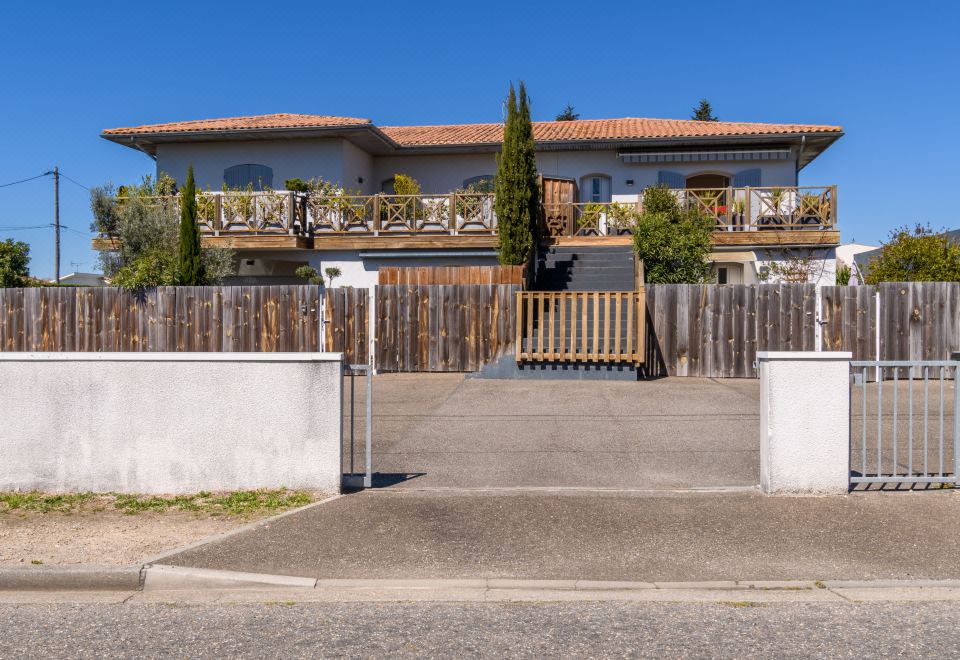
{"points": [[733, 256], [703, 156]]}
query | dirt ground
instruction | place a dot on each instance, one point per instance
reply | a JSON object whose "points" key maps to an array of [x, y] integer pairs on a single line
{"points": [[104, 537]]}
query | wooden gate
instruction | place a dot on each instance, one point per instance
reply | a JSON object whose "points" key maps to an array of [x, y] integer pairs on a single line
{"points": [[559, 195], [581, 326]]}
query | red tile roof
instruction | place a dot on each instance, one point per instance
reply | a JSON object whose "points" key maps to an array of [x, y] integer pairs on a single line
{"points": [[281, 120], [593, 129], [628, 128]]}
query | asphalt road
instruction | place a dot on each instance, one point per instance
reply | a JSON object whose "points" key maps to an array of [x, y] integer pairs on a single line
{"points": [[441, 430], [597, 536], [479, 630]]}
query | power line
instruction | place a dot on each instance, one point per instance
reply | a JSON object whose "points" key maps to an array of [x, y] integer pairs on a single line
{"points": [[13, 183], [23, 228], [73, 181]]}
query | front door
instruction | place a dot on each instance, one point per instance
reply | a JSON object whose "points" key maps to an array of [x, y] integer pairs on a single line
{"points": [[559, 195]]}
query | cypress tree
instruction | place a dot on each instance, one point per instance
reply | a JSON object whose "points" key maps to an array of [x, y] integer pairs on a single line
{"points": [[191, 273], [517, 194]]}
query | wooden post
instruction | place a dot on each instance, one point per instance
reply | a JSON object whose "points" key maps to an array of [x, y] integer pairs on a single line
{"points": [[290, 212], [376, 214], [728, 206], [833, 205], [747, 219], [217, 213], [638, 273], [453, 214]]}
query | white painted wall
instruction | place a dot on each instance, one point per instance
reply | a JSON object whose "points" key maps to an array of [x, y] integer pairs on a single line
{"points": [[441, 173], [357, 165], [804, 422], [305, 159], [169, 422], [823, 270]]}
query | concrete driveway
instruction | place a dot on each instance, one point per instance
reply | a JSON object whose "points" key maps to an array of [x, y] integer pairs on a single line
{"points": [[445, 431]]}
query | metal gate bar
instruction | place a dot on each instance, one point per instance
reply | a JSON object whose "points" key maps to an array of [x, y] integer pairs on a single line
{"points": [[887, 464], [350, 478]]}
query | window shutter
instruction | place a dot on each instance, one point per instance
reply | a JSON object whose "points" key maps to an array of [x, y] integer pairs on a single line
{"points": [[673, 180], [240, 176], [747, 178]]}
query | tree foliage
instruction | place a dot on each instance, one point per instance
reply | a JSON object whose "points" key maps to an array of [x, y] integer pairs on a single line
{"points": [[517, 202], [191, 266], [568, 114], [143, 222], [14, 263], [672, 242], [918, 255], [703, 112]]}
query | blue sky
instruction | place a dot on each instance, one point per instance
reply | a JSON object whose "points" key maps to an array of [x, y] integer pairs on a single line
{"points": [[887, 72]]}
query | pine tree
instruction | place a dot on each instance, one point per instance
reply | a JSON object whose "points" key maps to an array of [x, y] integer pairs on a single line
{"points": [[703, 112], [568, 114], [191, 269], [517, 202]]}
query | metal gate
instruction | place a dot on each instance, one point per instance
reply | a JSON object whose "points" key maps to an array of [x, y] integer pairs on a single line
{"points": [[356, 459], [903, 423]]}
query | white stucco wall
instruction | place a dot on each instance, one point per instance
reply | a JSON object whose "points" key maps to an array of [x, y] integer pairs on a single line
{"points": [[169, 422], [823, 264], [357, 165], [305, 159], [804, 422], [441, 173]]}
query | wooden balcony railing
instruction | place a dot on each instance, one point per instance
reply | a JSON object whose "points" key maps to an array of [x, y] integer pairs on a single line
{"points": [[294, 213]]}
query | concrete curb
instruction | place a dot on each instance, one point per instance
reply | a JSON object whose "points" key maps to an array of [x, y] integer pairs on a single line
{"points": [[216, 538], [66, 578]]}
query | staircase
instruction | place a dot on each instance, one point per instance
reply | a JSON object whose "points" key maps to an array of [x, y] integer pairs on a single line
{"points": [[581, 269], [585, 269]]}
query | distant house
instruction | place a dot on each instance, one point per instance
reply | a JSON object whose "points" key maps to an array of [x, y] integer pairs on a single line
{"points": [[848, 254], [82, 279], [743, 175]]}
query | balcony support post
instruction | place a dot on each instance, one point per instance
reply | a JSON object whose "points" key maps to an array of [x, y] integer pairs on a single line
{"points": [[217, 214], [452, 211]]}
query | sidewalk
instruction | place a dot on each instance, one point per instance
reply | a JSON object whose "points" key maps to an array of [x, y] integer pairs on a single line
{"points": [[571, 535]]}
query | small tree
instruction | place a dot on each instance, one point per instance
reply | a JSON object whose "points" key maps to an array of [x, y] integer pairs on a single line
{"points": [[191, 265], [921, 255], [332, 273], [308, 273], [517, 202], [14, 263], [672, 242], [568, 114], [703, 112]]}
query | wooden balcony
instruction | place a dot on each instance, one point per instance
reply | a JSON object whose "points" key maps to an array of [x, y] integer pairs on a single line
{"points": [[292, 220]]}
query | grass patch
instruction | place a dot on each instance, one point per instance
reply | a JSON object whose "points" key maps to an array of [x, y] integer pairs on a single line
{"points": [[34, 501], [739, 603], [237, 503]]}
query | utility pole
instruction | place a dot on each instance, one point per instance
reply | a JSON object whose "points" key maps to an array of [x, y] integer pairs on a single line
{"points": [[56, 224]]}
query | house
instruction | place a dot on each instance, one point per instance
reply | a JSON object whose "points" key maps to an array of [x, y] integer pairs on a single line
{"points": [[82, 279], [743, 175], [849, 254]]}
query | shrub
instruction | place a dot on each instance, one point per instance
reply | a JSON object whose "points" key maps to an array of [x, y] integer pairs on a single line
{"points": [[14, 263], [920, 255], [672, 242], [843, 273], [296, 185], [308, 273], [191, 266], [405, 185]]}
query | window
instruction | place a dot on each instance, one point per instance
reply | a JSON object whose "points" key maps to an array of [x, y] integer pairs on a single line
{"points": [[721, 276], [595, 188], [248, 174]]}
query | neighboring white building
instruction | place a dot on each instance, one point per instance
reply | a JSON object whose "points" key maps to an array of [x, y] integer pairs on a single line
{"points": [[847, 254], [83, 279], [744, 174]]}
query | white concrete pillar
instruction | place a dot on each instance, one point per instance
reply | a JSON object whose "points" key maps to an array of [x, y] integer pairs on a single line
{"points": [[804, 422]]}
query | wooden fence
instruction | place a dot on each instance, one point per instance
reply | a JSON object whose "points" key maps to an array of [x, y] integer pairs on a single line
{"points": [[443, 328], [580, 326], [347, 320], [451, 275], [692, 330], [206, 318]]}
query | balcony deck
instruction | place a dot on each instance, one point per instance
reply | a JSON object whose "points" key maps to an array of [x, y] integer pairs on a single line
{"points": [[787, 217]]}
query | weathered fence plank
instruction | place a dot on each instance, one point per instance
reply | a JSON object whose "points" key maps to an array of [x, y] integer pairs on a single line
{"points": [[445, 327]]}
